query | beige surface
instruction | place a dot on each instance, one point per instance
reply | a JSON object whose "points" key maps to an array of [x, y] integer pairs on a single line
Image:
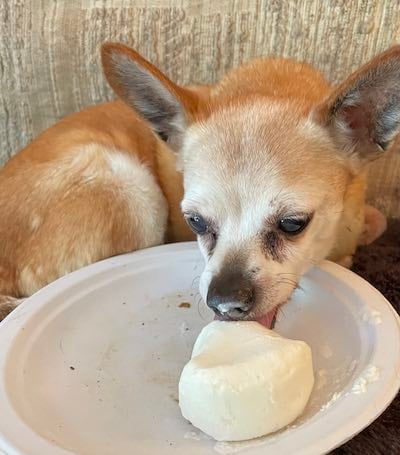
{"points": [[49, 59]]}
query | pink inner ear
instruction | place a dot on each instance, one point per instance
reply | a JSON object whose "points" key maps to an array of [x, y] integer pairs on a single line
{"points": [[374, 225], [360, 121]]}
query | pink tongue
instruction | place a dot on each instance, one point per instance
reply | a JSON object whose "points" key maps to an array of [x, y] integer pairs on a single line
{"points": [[267, 320]]}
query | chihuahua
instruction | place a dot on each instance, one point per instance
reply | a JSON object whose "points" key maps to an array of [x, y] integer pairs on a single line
{"points": [[268, 168]]}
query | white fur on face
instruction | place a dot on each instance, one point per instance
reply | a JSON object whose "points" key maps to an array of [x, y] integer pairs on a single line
{"points": [[244, 169]]}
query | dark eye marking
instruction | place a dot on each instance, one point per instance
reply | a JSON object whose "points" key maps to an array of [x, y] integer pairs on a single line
{"points": [[273, 245]]}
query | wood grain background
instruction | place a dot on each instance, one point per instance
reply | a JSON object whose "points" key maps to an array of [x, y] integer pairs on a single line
{"points": [[49, 52]]}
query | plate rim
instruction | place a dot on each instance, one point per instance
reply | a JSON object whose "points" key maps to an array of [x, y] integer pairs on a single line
{"points": [[9, 331]]}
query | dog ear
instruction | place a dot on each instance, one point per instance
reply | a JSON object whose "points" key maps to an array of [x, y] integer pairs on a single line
{"points": [[165, 105], [363, 113]]}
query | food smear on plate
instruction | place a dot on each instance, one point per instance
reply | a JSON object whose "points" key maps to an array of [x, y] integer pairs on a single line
{"points": [[244, 381]]}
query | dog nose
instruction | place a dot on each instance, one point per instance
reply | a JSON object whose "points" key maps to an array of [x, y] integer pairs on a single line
{"points": [[230, 296]]}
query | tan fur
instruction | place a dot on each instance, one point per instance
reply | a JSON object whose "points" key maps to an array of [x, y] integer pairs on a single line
{"points": [[274, 77], [61, 207], [67, 200]]}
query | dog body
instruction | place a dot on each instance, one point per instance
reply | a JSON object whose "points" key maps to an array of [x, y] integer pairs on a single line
{"points": [[272, 183], [97, 184]]}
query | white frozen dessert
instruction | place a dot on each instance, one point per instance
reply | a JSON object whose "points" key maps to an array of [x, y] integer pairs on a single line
{"points": [[244, 381]]}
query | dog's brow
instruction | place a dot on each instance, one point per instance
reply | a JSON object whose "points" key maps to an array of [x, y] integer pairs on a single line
{"points": [[188, 207]]}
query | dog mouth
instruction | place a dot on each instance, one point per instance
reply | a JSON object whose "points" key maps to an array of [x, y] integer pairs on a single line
{"points": [[268, 319]]}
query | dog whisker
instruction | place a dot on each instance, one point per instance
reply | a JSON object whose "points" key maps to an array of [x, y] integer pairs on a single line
{"points": [[287, 281], [199, 304], [195, 281], [288, 273], [281, 312]]}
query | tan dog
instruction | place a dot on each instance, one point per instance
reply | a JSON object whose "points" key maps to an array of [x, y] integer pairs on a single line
{"points": [[273, 164]]}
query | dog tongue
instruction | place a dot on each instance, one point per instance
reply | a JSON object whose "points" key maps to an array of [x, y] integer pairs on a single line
{"points": [[268, 319]]}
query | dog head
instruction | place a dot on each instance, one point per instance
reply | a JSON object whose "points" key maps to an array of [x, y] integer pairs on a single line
{"points": [[264, 177]]}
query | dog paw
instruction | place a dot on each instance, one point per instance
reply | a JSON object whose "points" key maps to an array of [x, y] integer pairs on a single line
{"points": [[374, 225], [345, 261]]}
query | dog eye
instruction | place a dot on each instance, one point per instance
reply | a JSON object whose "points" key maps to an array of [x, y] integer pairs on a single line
{"points": [[197, 224], [293, 226]]}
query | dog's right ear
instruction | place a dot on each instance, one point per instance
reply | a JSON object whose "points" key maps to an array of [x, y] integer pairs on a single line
{"points": [[168, 107]]}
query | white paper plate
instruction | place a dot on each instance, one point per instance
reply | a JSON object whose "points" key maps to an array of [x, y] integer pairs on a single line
{"points": [[90, 364]]}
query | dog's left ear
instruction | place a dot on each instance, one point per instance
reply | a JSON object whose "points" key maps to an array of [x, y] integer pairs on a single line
{"points": [[168, 107], [363, 113]]}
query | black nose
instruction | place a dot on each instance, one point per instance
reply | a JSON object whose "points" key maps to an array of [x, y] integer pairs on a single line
{"points": [[230, 296]]}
